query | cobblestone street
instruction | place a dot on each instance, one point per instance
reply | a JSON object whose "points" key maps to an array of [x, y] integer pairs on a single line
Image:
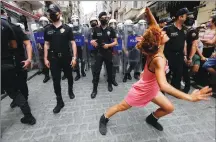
{"points": [[78, 120]]}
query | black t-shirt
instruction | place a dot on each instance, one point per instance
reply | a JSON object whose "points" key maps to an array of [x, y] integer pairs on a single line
{"points": [[104, 36], [7, 36], [192, 34], [177, 39], [21, 36], [59, 38]]}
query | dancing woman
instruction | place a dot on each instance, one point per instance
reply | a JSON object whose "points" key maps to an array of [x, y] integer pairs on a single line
{"points": [[152, 81]]}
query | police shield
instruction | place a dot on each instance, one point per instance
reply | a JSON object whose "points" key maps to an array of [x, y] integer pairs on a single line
{"points": [[131, 55]]}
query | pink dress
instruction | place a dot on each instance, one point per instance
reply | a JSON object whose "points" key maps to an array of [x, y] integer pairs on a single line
{"points": [[143, 91]]}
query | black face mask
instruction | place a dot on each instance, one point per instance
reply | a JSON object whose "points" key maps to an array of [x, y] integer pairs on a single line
{"points": [[93, 25], [103, 22], [189, 22], [54, 17]]}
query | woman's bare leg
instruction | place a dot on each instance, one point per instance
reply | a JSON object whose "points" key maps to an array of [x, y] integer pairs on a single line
{"points": [[166, 107], [122, 106], [110, 112]]}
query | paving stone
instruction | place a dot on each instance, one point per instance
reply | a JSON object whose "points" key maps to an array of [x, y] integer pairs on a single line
{"points": [[79, 119]]}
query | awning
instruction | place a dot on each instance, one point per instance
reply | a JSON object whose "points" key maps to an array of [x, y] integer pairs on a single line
{"points": [[18, 10]]}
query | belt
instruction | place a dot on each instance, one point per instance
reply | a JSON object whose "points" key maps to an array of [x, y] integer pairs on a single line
{"points": [[175, 52], [58, 54]]}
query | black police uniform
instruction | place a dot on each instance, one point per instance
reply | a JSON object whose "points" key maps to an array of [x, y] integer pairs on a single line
{"points": [[9, 78], [59, 56], [19, 57], [41, 53], [103, 36], [174, 52], [192, 35]]}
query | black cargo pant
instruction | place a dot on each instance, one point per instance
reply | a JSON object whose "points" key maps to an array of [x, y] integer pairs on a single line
{"points": [[186, 76], [176, 62], [98, 65], [10, 84], [22, 76], [80, 59], [59, 61]]}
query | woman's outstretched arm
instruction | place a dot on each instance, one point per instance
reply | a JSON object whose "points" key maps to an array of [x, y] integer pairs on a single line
{"points": [[159, 65]]}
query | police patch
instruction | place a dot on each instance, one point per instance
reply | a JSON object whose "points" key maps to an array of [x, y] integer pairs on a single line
{"points": [[185, 32], [193, 34], [62, 30], [108, 33]]}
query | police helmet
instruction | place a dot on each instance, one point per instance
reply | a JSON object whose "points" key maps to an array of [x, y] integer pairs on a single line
{"points": [[128, 22], [112, 23], [75, 20], [43, 21], [142, 22]]}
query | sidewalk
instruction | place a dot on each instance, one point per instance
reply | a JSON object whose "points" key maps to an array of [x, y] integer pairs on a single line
{"points": [[78, 120]]}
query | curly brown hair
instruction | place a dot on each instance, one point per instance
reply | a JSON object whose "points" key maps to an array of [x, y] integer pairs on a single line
{"points": [[151, 40]]}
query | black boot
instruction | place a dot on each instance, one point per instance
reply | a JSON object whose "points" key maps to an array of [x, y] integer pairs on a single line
{"points": [[83, 73], [47, 78], [28, 119], [153, 121], [77, 76], [125, 77], [13, 104], [59, 106], [64, 77], [103, 125], [129, 76], [94, 92], [136, 75], [114, 82], [110, 88], [70, 93]]}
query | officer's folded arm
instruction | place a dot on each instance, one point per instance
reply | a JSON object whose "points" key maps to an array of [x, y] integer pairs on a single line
{"points": [[114, 43]]}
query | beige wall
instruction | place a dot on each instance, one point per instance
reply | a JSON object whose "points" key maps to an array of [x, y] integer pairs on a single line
{"points": [[205, 13]]}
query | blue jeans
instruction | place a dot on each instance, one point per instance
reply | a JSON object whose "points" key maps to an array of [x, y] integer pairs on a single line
{"points": [[210, 63]]}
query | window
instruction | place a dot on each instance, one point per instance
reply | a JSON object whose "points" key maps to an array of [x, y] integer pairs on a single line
{"points": [[134, 4]]}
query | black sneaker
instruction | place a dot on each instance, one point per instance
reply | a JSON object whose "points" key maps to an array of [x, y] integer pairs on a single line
{"points": [[114, 83], [110, 88], [58, 107], [28, 120], [103, 125], [151, 120], [77, 77], [125, 78], [129, 76], [70, 93], [83, 73], [46, 79]]}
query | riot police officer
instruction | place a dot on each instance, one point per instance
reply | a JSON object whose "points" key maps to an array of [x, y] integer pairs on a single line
{"points": [[78, 31], [93, 52], [9, 73], [43, 22], [116, 58], [102, 40], [142, 25], [131, 55], [57, 53]]}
